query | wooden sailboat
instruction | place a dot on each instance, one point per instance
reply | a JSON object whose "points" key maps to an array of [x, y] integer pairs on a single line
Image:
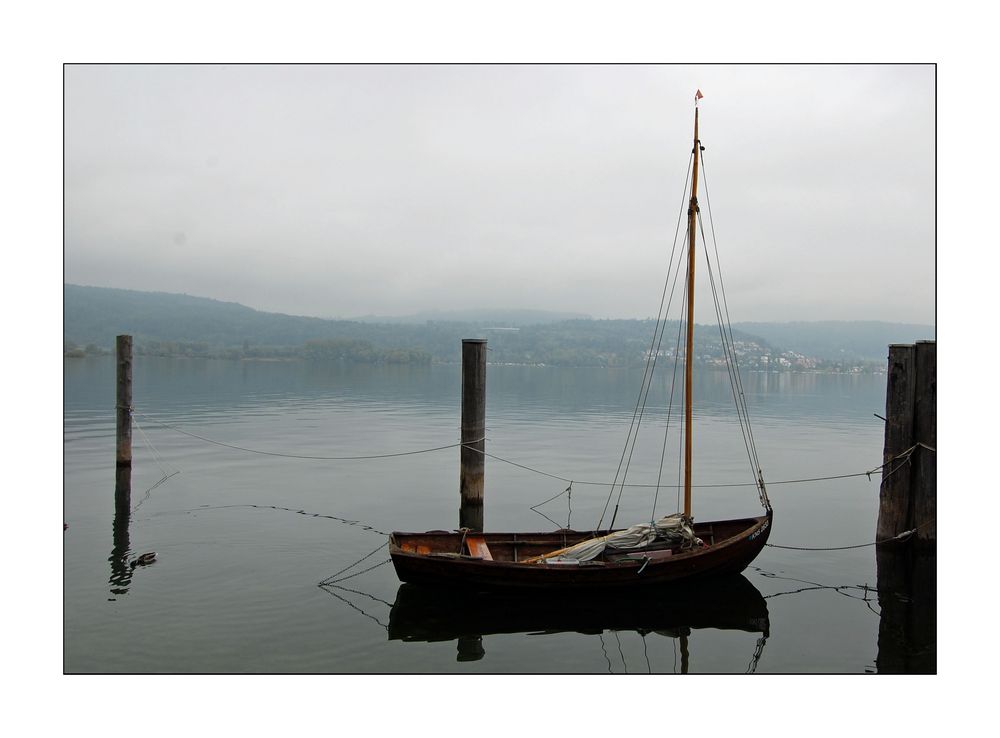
{"points": [[672, 549]]}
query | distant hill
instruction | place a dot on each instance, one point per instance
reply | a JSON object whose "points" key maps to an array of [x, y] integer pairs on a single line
{"points": [[97, 314], [196, 326], [836, 339], [501, 318]]}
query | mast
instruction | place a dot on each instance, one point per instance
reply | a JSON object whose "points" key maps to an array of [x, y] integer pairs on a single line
{"points": [[688, 388]]}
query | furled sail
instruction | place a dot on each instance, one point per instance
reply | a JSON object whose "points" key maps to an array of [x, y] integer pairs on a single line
{"points": [[672, 528]]}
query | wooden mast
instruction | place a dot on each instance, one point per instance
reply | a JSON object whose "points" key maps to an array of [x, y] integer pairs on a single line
{"points": [[688, 356]]}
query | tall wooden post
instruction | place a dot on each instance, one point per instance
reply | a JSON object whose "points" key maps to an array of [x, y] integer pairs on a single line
{"points": [[472, 457], [907, 572], [908, 494], [924, 479], [123, 403], [894, 497], [121, 573], [123, 431]]}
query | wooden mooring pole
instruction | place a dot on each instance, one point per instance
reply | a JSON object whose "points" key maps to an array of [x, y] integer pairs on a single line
{"points": [[907, 571], [123, 424], [123, 403], [908, 494], [121, 573], [472, 457]]}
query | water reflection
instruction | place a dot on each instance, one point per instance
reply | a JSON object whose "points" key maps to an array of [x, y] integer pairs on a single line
{"points": [[121, 570], [427, 614], [907, 595], [201, 387], [122, 565]]}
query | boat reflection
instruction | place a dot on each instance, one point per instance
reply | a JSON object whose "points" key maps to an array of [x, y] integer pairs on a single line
{"points": [[427, 614]]}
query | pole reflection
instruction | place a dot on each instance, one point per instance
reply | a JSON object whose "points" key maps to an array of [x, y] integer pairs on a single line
{"points": [[907, 597], [121, 570]]}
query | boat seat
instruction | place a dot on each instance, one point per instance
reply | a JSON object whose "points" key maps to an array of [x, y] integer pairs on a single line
{"points": [[477, 547], [651, 555]]}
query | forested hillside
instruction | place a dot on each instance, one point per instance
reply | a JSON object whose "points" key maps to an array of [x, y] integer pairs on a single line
{"points": [[172, 324], [837, 339]]}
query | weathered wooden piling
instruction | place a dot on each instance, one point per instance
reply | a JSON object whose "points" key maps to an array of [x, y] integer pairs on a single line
{"points": [[908, 494], [907, 571], [472, 458], [123, 432], [924, 477], [121, 573], [123, 404], [893, 511]]}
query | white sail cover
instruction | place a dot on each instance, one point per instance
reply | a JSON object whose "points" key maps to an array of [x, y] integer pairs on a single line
{"points": [[671, 528]]}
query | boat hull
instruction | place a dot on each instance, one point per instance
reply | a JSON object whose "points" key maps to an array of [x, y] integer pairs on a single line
{"points": [[441, 563]]}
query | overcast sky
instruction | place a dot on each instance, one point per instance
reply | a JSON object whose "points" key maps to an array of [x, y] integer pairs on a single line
{"points": [[341, 191]]}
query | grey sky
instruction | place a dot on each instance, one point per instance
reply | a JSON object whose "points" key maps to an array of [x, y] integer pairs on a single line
{"points": [[341, 191]]}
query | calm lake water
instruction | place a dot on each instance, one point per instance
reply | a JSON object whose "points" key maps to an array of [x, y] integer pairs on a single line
{"points": [[243, 539]]}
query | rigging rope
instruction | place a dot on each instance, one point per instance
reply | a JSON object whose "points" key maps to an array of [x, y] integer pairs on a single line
{"points": [[666, 429], [650, 360], [651, 363], [569, 503], [730, 354], [738, 386]]}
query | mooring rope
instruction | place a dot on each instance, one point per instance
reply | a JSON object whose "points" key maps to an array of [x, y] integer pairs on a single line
{"points": [[332, 582], [152, 448], [329, 590], [305, 456], [815, 586], [149, 491], [471, 445], [346, 521], [904, 536], [701, 486], [156, 457], [332, 579]]}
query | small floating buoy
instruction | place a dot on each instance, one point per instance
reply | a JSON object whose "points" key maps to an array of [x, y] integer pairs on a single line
{"points": [[144, 559]]}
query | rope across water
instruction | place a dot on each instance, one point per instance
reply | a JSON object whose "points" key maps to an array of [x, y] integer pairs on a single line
{"points": [[302, 456], [904, 456]]}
